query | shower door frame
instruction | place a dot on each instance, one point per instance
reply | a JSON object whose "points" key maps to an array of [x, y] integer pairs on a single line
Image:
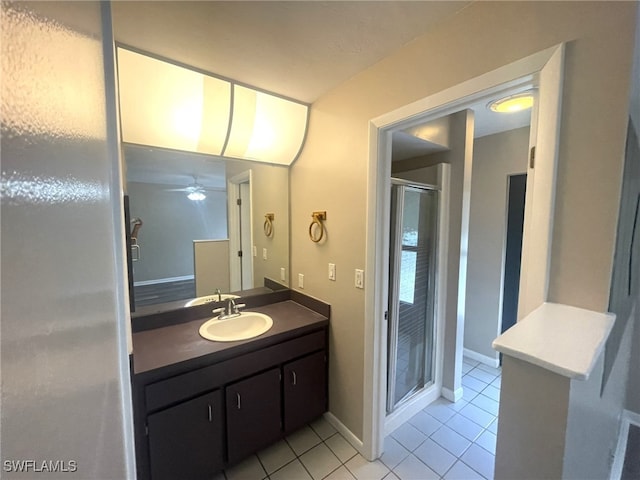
{"points": [[393, 404]]}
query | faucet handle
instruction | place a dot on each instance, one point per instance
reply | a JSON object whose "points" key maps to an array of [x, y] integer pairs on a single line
{"points": [[239, 306], [218, 310]]}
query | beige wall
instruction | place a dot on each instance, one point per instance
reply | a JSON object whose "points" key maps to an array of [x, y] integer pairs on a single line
{"points": [[331, 173], [271, 195], [270, 190], [523, 439], [494, 158]]}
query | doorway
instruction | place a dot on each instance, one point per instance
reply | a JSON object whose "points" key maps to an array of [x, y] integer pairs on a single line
{"points": [[516, 194], [412, 313], [544, 71], [240, 231]]}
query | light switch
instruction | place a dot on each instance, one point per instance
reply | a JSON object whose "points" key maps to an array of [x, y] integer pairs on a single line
{"points": [[332, 271], [359, 278], [264, 253], [300, 280], [255, 251], [283, 274]]}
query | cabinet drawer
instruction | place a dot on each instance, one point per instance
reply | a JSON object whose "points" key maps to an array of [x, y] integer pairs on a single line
{"points": [[173, 390]]}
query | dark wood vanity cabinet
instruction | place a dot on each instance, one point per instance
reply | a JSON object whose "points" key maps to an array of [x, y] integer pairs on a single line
{"points": [[253, 414], [304, 390], [198, 422], [186, 441]]}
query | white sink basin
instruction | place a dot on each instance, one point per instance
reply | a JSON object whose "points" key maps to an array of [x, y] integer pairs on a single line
{"points": [[210, 298], [244, 326]]}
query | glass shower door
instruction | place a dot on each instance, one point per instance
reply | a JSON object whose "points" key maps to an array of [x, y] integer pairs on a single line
{"points": [[414, 220]]}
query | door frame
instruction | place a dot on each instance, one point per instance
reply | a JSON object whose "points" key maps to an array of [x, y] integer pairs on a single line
{"points": [[505, 241], [544, 69], [235, 242], [430, 392]]}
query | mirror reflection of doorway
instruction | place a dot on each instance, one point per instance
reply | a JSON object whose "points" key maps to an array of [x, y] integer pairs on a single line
{"points": [[246, 267], [240, 232]]}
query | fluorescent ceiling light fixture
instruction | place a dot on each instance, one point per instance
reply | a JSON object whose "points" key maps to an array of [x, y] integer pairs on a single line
{"points": [[196, 196], [165, 105], [513, 103], [265, 127]]}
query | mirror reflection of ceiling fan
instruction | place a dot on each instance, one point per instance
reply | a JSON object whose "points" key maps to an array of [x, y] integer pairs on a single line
{"points": [[196, 191]]}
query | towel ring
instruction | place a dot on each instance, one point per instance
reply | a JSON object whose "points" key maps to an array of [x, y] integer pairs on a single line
{"points": [[268, 224], [318, 217]]}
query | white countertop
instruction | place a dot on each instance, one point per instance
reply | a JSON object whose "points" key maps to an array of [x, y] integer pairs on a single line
{"points": [[563, 339]]}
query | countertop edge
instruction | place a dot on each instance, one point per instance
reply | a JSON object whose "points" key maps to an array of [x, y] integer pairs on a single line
{"points": [[201, 357], [563, 339]]}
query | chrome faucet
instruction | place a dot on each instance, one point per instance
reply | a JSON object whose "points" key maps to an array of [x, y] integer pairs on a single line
{"points": [[219, 293], [231, 310]]}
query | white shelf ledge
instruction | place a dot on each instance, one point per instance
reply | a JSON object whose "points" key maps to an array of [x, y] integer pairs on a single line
{"points": [[563, 339]]}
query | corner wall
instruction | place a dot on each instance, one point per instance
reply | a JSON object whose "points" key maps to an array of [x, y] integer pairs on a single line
{"points": [[331, 173], [495, 157]]}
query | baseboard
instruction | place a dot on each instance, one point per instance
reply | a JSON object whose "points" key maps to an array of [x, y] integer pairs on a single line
{"points": [[142, 283], [345, 432], [479, 357], [410, 408], [451, 395]]}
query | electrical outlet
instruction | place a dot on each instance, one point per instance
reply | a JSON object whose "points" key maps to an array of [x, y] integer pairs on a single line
{"points": [[283, 274], [332, 271], [300, 280], [264, 253], [359, 278]]}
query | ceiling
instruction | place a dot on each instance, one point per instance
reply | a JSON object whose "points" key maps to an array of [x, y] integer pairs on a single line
{"points": [[486, 122], [299, 49], [171, 167]]}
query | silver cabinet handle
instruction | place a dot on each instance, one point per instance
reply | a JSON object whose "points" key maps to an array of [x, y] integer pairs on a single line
{"points": [[238, 404], [210, 413], [295, 378]]}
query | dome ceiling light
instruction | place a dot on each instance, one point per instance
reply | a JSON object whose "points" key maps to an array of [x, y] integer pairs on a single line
{"points": [[512, 103]]}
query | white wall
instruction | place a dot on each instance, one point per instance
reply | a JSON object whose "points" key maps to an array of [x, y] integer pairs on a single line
{"points": [[594, 416], [331, 173], [65, 370], [633, 392], [495, 157]]}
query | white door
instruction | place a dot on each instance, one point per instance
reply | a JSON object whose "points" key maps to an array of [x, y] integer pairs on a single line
{"points": [[240, 232]]}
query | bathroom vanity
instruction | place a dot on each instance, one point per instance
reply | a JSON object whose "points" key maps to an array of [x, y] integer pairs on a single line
{"points": [[201, 406]]}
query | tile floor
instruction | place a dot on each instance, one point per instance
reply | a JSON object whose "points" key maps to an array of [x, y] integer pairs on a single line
{"points": [[444, 441]]}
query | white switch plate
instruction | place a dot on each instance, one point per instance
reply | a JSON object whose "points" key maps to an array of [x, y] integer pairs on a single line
{"points": [[359, 278], [300, 280], [255, 251], [332, 271], [264, 253], [283, 274]]}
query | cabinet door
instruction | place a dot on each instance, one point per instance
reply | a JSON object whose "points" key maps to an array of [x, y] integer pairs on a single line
{"points": [[253, 414], [185, 441], [305, 390]]}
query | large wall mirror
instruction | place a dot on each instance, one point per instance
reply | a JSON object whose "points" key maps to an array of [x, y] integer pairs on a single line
{"points": [[190, 216]]}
